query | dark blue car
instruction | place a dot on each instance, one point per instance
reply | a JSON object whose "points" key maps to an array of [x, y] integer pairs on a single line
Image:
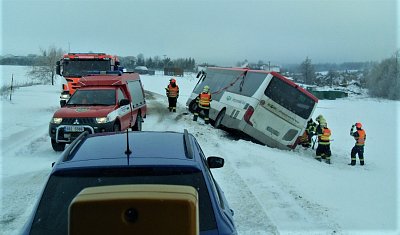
{"points": [[152, 158]]}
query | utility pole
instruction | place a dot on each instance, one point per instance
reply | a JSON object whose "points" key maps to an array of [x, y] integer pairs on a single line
{"points": [[12, 81]]}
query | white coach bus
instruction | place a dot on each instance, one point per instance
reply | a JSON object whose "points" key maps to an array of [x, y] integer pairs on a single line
{"points": [[264, 105]]}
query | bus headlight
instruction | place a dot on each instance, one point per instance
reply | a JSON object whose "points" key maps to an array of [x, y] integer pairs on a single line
{"points": [[102, 120], [56, 120]]}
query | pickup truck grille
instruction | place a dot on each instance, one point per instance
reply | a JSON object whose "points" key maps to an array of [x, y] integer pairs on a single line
{"points": [[78, 121]]}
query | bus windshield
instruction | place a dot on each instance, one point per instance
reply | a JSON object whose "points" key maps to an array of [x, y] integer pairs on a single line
{"points": [[290, 97], [79, 67]]}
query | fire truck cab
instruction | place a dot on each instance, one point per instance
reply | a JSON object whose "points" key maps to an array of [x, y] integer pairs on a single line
{"points": [[75, 65], [103, 103]]}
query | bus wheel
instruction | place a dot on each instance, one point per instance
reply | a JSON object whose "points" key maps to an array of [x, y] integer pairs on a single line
{"points": [[218, 120], [193, 106]]}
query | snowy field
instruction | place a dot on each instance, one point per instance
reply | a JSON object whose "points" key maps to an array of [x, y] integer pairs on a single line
{"points": [[271, 191]]}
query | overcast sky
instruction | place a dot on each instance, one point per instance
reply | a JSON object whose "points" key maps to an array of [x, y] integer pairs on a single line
{"points": [[213, 31]]}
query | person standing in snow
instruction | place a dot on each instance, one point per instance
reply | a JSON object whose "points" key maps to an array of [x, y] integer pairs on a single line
{"points": [[172, 92], [324, 150], [360, 136], [308, 133], [203, 101], [318, 129]]}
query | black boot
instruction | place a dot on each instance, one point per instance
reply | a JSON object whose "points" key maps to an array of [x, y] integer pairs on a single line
{"points": [[195, 118]]}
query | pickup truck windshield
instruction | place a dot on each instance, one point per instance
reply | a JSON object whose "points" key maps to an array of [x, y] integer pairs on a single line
{"points": [[93, 97]]}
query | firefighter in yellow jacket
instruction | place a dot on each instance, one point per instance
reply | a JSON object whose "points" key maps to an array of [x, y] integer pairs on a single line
{"points": [[360, 136], [324, 150], [172, 92], [203, 101]]}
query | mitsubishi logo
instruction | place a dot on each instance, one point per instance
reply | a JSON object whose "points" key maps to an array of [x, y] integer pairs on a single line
{"points": [[76, 122]]}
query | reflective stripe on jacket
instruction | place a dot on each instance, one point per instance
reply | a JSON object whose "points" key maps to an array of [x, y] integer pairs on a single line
{"points": [[204, 100], [172, 91], [323, 138]]}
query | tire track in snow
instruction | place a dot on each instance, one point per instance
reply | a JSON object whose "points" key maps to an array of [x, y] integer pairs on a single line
{"points": [[291, 212]]}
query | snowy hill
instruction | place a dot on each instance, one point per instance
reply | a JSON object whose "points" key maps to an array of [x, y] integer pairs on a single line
{"points": [[270, 190]]}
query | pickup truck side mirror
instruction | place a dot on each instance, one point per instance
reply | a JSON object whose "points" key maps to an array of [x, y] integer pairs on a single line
{"points": [[123, 102], [215, 162], [63, 103]]}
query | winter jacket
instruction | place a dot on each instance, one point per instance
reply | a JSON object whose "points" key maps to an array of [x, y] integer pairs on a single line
{"points": [[172, 91], [360, 136], [324, 135], [204, 100]]}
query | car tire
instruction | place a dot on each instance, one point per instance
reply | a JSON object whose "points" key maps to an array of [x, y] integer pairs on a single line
{"points": [[58, 147], [116, 127], [218, 120], [138, 123]]}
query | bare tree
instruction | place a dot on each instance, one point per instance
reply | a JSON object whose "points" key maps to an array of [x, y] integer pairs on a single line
{"points": [[44, 69], [308, 71]]}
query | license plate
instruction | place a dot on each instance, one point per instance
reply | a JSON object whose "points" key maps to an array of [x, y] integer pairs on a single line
{"points": [[74, 128]]}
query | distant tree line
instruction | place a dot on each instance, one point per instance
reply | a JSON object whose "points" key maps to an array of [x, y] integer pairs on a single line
{"points": [[383, 79], [19, 60], [156, 62]]}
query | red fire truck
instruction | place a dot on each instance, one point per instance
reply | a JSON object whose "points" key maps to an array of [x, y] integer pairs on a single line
{"points": [[75, 65]]}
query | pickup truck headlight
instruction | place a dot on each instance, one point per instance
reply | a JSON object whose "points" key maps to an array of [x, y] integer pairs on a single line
{"points": [[65, 96], [102, 120], [56, 120]]}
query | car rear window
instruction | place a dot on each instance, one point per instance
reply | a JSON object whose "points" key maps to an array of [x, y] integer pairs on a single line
{"points": [[51, 216]]}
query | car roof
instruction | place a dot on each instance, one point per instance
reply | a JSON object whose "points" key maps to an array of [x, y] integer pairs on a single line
{"points": [[158, 149]]}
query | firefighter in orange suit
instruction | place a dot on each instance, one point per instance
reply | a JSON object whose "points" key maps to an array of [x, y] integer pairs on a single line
{"points": [[172, 92], [360, 136], [324, 150], [203, 101]]}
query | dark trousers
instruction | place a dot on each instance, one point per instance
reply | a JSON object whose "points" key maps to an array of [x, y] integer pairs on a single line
{"points": [[172, 104], [357, 150], [323, 151], [206, 112]]}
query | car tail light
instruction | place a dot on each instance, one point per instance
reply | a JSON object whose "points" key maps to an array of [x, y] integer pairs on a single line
{"points": [[248, 114]]}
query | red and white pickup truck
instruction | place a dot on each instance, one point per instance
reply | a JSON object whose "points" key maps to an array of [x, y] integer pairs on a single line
{"points": [[103, 103]]}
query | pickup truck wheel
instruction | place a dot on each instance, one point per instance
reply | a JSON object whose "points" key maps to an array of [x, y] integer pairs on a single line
{"points": [[58, 147], [138, 123], [218, 120], [116, 127]]}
